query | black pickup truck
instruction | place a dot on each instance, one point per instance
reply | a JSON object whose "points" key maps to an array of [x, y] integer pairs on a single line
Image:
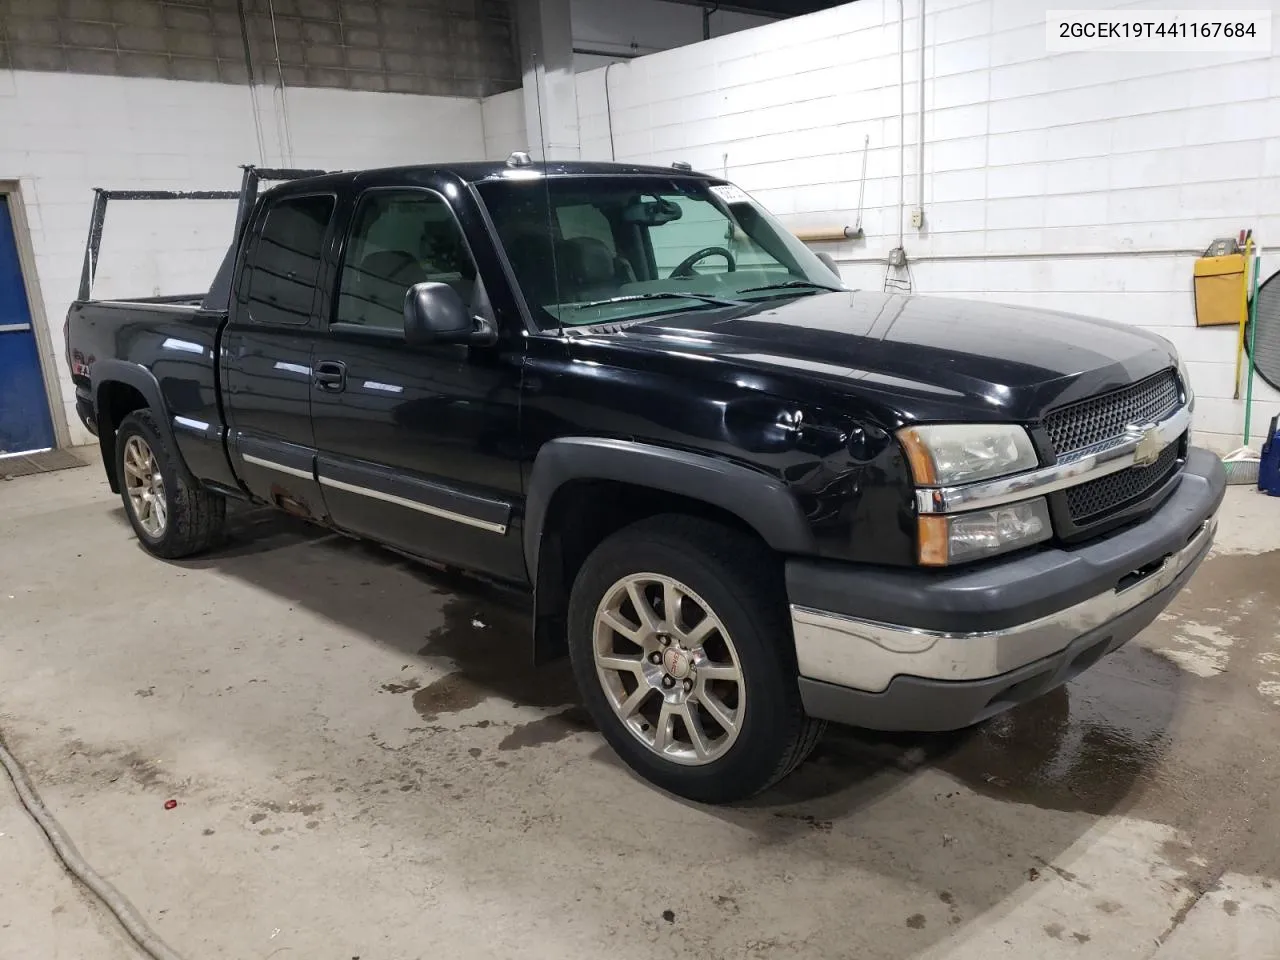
{"points": [[746, 499]]}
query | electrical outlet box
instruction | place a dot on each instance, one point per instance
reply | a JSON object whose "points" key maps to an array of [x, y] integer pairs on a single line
{"points": [[897, 257], [917, 218]]}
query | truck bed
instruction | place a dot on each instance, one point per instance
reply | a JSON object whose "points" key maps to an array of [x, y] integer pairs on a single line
{"points": [[158, 347]]}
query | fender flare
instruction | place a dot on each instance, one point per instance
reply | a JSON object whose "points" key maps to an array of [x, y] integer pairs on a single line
{"points": [[145, 382], [762, 501]]}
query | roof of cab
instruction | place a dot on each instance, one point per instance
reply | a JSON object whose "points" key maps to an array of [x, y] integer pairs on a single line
{"points": [[477, 171]]}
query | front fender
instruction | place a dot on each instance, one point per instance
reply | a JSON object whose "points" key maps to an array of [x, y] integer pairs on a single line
{"points": [[758, 499]]}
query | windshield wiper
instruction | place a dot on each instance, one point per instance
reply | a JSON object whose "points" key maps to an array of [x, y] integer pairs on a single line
{"points": [[634, 297], [793, 285]]}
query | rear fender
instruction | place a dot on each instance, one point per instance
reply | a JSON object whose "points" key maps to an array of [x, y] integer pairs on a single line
{"points": [[109, 371]]}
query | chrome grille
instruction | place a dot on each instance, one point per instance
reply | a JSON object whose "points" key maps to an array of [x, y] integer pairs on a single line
{"points": [[1104, 417], [1090, 501]]}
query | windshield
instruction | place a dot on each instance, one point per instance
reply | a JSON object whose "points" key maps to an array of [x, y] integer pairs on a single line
{"points": [[599, 249]]}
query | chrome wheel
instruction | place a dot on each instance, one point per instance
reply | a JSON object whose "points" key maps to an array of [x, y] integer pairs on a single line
{"points": [[669, 669], [145, 487]]}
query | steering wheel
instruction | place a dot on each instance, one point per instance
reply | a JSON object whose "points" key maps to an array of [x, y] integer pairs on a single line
{"points": [[685, 267]]}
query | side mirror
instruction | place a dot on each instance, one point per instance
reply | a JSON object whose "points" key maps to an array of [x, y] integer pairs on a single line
{"points": [[830, 262], [434, 313]]}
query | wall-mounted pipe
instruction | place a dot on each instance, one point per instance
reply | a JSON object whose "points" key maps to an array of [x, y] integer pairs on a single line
{"points": [[608, 110], [831, 235], [902, 115], [920, 140], [1036, 255], [616, 54], [706, 19]]}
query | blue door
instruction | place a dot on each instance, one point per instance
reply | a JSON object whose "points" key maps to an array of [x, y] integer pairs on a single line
{"points": [[24, 406]]}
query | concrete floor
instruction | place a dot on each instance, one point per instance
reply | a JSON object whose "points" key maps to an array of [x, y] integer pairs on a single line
{"points": [[365, 766]]}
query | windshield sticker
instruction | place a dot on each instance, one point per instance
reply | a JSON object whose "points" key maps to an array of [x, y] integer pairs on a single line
{"points": [[730, 194]]}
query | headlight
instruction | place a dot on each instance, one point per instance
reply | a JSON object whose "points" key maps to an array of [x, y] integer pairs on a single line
{"points": [[959, 537], [962, 452], [1186, 384]]}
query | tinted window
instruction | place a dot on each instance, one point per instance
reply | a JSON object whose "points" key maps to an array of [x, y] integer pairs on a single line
{"points": [[286, 260], [585, 220], [399, 239], [601, 249]]}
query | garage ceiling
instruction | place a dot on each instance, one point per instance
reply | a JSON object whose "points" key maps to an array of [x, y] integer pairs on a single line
{"points": [[776, 8]]}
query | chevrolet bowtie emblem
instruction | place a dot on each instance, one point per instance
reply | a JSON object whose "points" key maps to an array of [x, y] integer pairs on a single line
{"points": [[1149, 445]]}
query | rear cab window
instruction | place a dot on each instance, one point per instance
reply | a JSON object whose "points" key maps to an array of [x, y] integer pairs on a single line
{"points": [[283, 265]]}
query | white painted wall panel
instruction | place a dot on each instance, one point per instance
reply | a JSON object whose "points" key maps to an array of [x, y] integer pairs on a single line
{"points": [[502, 117], [1025, 153], [65, 134]]}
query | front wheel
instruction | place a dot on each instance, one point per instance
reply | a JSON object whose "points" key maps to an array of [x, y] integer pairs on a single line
{"points": [[171, 517], [681, 646]]}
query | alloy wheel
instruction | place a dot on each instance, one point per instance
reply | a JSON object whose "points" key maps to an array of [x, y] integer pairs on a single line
{"points": [[669, 669], [145, 487]]}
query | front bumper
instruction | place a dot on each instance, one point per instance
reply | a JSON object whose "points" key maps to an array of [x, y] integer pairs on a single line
{"points": [[929, 650]]}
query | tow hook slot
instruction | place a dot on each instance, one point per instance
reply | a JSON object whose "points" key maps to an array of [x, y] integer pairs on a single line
{"points": [[1135, 577]]}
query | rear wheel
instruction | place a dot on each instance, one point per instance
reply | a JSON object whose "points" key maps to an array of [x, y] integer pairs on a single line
{"points": [[171, 517], [681, 647]]}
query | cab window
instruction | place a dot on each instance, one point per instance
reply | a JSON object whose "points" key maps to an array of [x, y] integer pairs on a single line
{"points": [[398, 239]]}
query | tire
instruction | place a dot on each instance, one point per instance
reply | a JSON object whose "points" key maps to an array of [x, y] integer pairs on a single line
{"points": [[186, 519], [718, 574]]}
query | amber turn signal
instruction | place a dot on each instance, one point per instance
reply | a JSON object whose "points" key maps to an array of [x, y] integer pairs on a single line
{"points": [[919, 458], [933, 541]]}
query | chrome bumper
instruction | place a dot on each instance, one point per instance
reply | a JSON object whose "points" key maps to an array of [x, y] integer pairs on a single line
{"points": [[867, 655]]}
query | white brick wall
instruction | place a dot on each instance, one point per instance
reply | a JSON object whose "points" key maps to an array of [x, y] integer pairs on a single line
{"points": [[503, 118], [64, 134], [1028, 156]]}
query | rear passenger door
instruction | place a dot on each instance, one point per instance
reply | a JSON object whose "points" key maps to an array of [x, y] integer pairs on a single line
{"points": [[418, 446], [266, 357]]}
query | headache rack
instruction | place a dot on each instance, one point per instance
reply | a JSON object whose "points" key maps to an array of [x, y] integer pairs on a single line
{"points": [[250, 180]]}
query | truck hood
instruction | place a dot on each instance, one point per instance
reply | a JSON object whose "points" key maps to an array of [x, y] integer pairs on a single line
{"points": [[925, 358]]}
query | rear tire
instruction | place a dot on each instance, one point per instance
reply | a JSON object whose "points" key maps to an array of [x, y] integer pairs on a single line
{"points": [[171, 518], [717, 716]]}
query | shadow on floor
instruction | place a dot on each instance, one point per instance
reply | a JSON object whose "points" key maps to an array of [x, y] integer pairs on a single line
{"points": [[419, 610]]}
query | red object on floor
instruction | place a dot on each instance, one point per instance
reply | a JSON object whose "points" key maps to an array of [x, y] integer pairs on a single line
{"points": [[170, 804]]}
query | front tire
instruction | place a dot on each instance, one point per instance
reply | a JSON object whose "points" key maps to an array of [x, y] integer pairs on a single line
{"points": [[171, 517], [681, 647]]}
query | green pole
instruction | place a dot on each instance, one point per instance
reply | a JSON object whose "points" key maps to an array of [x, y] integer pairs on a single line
{"points": [[1253, 333]]}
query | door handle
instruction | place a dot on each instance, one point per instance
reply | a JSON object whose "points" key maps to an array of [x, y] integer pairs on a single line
{"points": [[330, 375]]}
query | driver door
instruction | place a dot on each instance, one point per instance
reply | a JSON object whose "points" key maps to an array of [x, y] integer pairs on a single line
{"points": [[418, 446]]}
